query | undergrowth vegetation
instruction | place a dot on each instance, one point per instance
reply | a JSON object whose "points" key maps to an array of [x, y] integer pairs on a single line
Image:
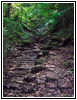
{"points": [[23, 22]]}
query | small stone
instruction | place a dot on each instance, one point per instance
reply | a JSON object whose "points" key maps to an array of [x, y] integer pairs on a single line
{"points": [[51, 69], [19, 81], [36, 69], [49, 79], [29, 78], [39, 55], [10, 87], [29, 90], [19, 68], [24, 90]]}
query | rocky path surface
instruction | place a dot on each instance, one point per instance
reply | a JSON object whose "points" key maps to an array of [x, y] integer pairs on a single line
{"points": [[23, 77]]}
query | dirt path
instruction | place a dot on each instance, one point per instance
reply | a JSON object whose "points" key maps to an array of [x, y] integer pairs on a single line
{"points": [[24, 78]]}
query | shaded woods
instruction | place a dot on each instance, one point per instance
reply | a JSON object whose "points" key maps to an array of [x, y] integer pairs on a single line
{"points": [[38, 49]]}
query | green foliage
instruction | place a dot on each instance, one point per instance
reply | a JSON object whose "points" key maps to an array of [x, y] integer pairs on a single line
{"points": [[46, 45], [51, 42], [66, 32], [54, 44], [70, 70], [13, 27], [26, 42], [13, 34], [41, 14], [54, 37], [28, 20], [39, 61]]}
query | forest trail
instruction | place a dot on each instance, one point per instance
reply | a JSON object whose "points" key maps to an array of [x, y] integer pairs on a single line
{"points": [[38, 49], [26, 78]]}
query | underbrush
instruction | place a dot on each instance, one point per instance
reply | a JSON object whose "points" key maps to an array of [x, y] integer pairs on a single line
{"points": [[13, 34], [58, 38]]}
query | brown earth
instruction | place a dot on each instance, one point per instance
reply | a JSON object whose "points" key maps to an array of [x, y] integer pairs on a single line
{"points": [[54, 77]]}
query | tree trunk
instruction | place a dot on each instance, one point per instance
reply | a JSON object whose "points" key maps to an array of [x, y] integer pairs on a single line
{"points": [[8, 10], [21, 12]]}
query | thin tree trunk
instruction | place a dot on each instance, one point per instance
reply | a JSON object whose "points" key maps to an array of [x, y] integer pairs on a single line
{"points": [[8, 10], [21, 12]]}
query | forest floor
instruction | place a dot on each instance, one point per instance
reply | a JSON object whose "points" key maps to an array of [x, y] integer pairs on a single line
{"points": [[23, 77]]}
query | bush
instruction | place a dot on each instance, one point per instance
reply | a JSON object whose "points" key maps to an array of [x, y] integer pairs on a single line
{"points": [[13, 34], [66, 32], [54, 44]]}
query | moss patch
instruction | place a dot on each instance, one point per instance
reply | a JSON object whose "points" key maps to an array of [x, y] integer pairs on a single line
{"points": [[39, 61], [54, 44], [45, 52]]}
